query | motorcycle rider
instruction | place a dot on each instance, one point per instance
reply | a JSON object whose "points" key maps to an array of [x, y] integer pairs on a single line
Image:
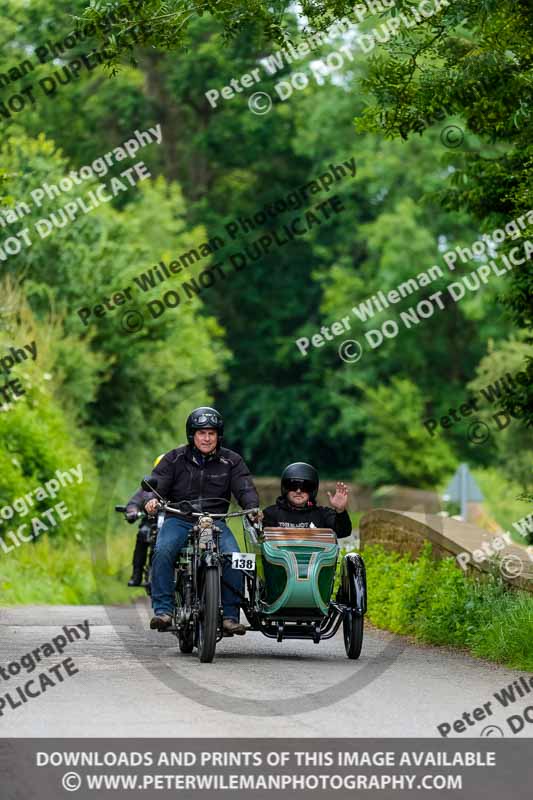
{"points": [[204, 470], [140, 553], [296, 507]]}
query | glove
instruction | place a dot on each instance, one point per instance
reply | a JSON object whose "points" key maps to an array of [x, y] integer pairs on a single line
{"points": [[131, 514]]}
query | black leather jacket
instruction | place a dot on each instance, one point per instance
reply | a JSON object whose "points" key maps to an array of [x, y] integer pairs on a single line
{"points": [[184, 474]]}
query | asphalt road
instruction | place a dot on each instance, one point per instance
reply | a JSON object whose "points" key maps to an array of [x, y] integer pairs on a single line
{"points": [[134, 682]]}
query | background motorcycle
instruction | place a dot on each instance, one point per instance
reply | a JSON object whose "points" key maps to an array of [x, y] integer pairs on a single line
{"points": [[149, 529]]}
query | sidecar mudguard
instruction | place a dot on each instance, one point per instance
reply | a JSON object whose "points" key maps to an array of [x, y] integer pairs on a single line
{"points": [[352, 589]]}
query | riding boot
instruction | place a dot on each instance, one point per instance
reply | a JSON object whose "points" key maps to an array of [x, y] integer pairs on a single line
{"points": [[139, 560]]}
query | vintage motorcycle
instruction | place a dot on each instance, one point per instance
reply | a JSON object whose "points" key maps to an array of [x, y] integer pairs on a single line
{"points": [[289, 576], [149, 528], [198, 614]]}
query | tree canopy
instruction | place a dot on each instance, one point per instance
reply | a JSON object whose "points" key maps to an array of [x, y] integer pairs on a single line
{"points": [[232, 177]]}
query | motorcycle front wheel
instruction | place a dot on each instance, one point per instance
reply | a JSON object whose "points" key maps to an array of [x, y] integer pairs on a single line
{"points": [[208, 618]]}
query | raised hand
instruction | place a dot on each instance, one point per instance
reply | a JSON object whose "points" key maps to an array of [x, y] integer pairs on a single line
{"points": [[339, 500]]}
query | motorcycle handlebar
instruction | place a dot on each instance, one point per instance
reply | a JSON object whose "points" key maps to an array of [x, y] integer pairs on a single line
{"points": [[123, 510], [170, 509]]}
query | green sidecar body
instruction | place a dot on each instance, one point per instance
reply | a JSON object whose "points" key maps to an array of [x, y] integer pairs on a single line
{"points": [[290, 593]]}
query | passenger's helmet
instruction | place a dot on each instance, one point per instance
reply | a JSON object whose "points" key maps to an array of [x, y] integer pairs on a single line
{"points": [[204, 417], [300, 474], [158, 459]]}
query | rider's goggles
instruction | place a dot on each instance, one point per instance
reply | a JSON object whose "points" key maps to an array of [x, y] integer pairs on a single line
{"points": [[201, 419], [304, 486]]}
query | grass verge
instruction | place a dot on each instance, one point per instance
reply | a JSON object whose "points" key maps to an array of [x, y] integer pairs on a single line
{"points": [[65, 572], [434, 602]]}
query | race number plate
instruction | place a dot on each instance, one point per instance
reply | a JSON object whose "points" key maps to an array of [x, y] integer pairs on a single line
{"points": [[243, 561]]}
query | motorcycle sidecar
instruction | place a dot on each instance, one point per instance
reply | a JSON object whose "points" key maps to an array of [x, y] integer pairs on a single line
{"points": [[290, 594]]}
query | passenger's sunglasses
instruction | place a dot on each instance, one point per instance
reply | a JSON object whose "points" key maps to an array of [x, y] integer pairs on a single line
{"points": [[305, 486]]}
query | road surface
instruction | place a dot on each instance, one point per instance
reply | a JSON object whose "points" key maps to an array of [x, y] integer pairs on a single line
{"points": [[131, 681]]}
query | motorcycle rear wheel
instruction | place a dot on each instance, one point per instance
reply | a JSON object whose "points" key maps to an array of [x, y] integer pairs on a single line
{"points": [[185, 635], [186, 641]]}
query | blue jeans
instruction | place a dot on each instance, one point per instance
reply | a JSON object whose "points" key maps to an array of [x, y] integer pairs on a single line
{"points": [[170, 540]]}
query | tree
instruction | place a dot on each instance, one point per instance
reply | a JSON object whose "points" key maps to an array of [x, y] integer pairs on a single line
{"points": [[216, 166], [126, 388], [473, 58], [39, 433], [396, 448], [499, 391]]}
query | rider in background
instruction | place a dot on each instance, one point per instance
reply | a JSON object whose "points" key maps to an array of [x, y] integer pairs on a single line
{"points": [[140, 553], [201, 470], [297, 507]]}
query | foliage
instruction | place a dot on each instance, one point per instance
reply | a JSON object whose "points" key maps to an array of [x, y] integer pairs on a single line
{"points": [[120, 399], [101, 368], [473, 58], [38, 435], [512, 446], [504, 501], [470, 59], [436, 603], [165, 23], [48, 573], [397, 447]]}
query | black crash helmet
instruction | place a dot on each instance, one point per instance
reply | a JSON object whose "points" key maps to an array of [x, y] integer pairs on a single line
{"points": [[204, 417], [300, 475]]}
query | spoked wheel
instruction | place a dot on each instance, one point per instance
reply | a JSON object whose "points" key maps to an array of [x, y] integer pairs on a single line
{"points": [[208, 620], [353, 624], [185, 635]]}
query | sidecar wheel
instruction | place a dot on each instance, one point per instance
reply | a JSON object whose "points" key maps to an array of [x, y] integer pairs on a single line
{"points": [[208, 622], [353, 625]]}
